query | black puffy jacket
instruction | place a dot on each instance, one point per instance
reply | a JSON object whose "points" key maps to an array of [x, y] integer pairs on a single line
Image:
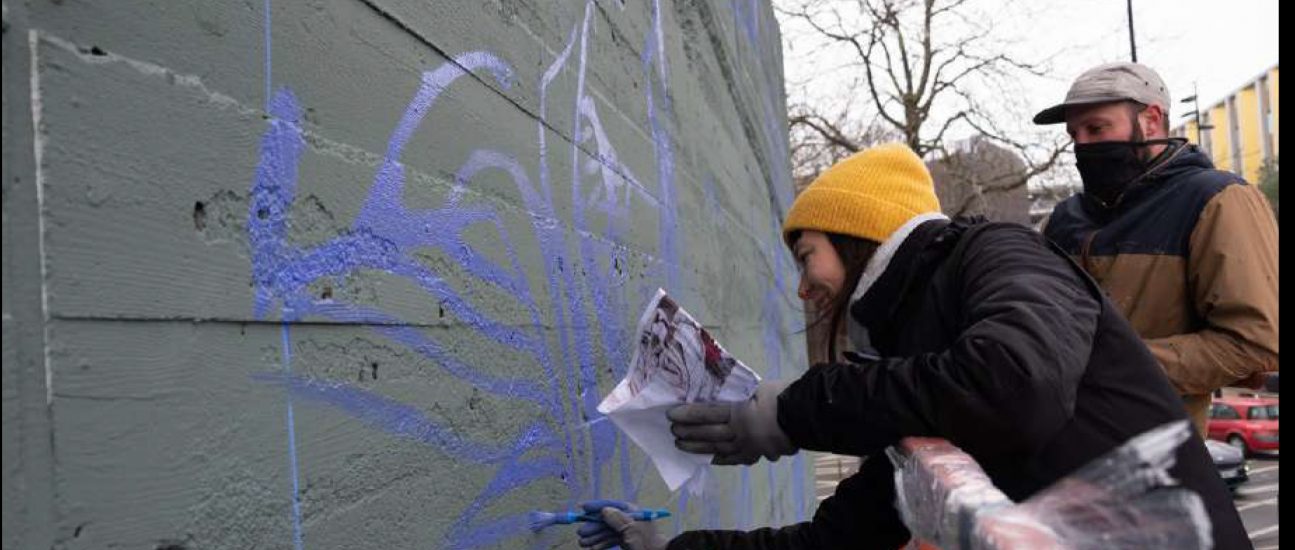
{"points": [[993, 339]]}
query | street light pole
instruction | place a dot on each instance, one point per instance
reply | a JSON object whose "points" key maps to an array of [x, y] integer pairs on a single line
{"points": [[1196, 114], [1196, 106], [1132, 44]]}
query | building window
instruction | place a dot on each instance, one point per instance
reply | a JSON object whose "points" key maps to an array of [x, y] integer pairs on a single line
{"points": [[1224, 412], [1206, 134], [1265, 117], [1234, 135]]}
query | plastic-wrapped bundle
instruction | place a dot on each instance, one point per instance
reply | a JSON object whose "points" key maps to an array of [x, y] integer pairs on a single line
{"points": [[1124, 499], [940, 490]]}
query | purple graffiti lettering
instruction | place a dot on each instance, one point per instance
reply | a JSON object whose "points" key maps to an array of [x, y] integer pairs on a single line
{"points": [[582, 299]]}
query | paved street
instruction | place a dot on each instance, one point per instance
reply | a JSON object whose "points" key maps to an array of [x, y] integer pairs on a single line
{"points": [[1257, 501], [830, 469]]}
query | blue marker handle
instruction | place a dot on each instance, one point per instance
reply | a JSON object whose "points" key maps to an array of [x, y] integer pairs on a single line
{"points": [[638, 515], [649, 515]]}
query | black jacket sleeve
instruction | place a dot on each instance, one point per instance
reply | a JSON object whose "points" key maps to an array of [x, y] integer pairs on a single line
{"points": [[1007, 382], [861, 514]]}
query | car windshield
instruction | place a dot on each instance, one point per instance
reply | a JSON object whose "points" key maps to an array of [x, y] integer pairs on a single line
{"points": [[1263, 412]]}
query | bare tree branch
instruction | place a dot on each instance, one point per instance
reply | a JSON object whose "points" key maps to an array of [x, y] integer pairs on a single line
{"points": [[923, 80], [827, 130]]}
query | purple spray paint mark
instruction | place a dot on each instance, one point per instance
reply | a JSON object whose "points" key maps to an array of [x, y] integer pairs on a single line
{"points": [[774, 328], [798, 484], [744, 503], [681, 510], [553, 252], [771, 317], [284, 141], [511, 475], [711, 197], [292, 444], [664, 150], [268, 74], [396, 418], [711, 512], [744, 17], [605, 307], [749, 18], [385, 233], [282, 272], [276, 179]]}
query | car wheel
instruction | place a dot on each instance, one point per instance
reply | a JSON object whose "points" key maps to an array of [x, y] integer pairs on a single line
{"points": [[1236, 441]]}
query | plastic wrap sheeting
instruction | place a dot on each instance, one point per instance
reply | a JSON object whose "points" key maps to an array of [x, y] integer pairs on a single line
{"points": [[1124, 499]]}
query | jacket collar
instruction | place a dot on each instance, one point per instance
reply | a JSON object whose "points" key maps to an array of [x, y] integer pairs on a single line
{"points": [[877, 298], [886, 252]]}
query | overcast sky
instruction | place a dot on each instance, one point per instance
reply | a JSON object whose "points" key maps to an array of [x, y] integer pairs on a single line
{"points": [[1217, 45]]}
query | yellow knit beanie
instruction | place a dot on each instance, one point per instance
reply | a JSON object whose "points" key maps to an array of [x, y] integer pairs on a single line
{"points": [[869, 194]]}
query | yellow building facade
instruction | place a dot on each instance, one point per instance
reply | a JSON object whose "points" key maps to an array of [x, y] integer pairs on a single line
{"points": [[1245, 127]]}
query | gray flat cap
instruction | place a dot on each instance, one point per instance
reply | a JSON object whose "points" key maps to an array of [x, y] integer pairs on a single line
{"points": [[1120, 81]]}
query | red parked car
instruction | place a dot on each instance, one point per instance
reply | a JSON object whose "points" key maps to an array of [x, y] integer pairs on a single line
{"points": [[1247, 423]]}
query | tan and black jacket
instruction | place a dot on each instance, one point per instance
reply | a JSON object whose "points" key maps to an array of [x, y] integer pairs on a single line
{"points": [[1189, 256]]}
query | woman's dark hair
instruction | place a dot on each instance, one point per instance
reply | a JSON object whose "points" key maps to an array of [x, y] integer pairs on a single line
{"points": [[855, 253]]}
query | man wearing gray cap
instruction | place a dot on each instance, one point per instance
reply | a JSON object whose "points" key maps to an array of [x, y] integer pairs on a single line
{"points": [[1186, 252]]}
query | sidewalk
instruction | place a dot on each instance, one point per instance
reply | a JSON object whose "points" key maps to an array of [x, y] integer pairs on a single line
{"points": [[829, 470]]}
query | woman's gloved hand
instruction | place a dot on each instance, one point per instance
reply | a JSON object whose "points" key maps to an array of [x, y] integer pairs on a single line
{"points": [[618, 528], [736, 433]]}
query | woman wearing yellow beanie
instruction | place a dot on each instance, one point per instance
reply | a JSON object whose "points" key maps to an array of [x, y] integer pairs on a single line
{"points": [[985, 335], [863, 206]]}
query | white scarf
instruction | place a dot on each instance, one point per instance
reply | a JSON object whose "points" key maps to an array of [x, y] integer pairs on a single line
{"points": [[877, 265]]}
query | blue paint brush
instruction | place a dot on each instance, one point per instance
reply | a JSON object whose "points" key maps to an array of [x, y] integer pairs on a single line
{"points": [[540, 520]]}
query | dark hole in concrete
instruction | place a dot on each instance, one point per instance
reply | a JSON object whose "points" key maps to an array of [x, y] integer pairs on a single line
{"points": [[171, 546], [199, 216], [327, 293], [262, 213], [373, 368], [440, 310], [77, 533], [96, 50]]}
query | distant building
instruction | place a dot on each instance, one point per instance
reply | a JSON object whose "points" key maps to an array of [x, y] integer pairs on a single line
{"points": [[979, 177], [1245, 129]]}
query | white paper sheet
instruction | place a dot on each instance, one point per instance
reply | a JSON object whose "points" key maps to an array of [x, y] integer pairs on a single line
{"points": [[675, 361]]}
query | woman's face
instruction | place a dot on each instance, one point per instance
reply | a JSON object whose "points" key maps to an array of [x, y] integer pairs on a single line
{"points": [[821, 272]]}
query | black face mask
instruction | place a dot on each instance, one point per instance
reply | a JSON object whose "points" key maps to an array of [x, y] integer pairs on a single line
{"points": [[1109, 168]]}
